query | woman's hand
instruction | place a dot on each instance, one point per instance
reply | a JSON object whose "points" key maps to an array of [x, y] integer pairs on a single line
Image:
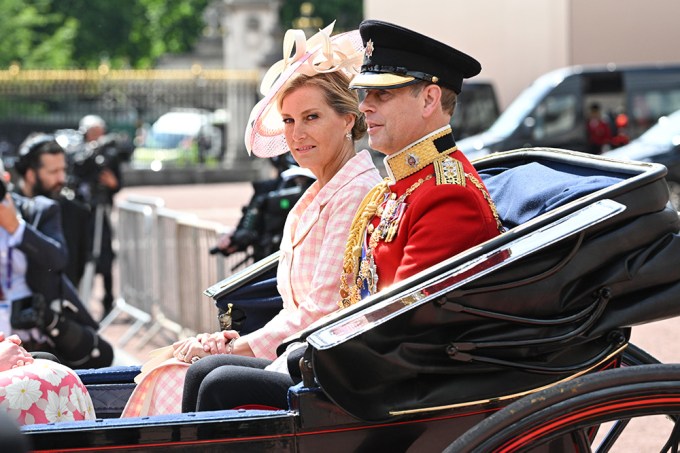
{"points": [[12, 355], [219, 342], [186, 350]]}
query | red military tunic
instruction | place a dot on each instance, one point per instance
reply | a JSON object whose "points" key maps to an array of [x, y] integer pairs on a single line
{"points": [[438, 207]]}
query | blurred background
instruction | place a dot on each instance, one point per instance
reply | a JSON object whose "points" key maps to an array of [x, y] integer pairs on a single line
{"points": [[179, 78]]}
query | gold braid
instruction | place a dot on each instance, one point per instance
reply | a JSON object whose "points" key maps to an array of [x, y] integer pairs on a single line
{"points": [[350, 263]]}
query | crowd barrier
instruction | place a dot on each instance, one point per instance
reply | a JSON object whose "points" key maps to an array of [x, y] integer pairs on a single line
{"points": [[164, 267]]}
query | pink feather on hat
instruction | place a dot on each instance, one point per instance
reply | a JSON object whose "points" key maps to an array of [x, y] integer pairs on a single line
{"points": [[319, 54]]}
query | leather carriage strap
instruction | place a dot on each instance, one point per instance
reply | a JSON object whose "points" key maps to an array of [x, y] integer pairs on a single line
{"points": [[461, 351]]}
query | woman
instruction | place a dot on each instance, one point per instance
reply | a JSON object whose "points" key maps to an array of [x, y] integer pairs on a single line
{"points": [[310, 110], [39, 391]]}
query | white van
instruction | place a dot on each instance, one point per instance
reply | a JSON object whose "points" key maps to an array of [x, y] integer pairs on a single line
{"points": [[179, 138]]}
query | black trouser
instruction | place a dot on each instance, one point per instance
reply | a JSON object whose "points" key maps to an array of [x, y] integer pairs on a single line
{"points": [[226, 381]]}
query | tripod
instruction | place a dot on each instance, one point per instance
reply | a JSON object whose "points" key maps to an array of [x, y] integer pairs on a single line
{"points": [[87, 282]]}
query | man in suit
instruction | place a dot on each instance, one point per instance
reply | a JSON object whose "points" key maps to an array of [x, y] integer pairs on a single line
{"points": [[42, 171], [46, 309]]}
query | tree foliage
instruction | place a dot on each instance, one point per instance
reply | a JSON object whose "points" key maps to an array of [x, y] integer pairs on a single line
{"points": [[84, 33], [60, 34], [34, 35]]}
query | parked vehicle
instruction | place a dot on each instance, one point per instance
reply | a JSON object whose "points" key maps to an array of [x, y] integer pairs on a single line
{"points": [[553, 111], [660, 144], [476, 109], [178, 138]]}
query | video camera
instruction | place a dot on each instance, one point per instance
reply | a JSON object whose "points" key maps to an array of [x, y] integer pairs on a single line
{"points": [[77, 345], [261, 226], [86, 161]]}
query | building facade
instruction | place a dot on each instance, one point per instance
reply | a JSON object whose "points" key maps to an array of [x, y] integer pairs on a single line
{"points": [[518, 40]]}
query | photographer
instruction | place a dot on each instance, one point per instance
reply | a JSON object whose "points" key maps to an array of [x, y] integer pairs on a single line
{"points": [[45, 309], [261, 226], [41, 168], [96, 177]]}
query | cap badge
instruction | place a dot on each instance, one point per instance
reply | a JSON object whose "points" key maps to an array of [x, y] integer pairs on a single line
{"points": [[369, 48], [412, 160]]}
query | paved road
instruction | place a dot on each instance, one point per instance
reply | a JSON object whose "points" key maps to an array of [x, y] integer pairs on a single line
{"points": [[222, 203]]}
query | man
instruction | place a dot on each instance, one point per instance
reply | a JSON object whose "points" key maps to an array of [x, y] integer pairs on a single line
{"points": [[599, 132], [98, 191], [46, 310], [433, 204], [41, 168]]}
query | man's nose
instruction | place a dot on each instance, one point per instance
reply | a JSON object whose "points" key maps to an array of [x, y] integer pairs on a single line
{"points": [[365, 105]]}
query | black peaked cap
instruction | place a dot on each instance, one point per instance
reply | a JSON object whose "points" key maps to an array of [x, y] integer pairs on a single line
{"points": [[396, 57]]}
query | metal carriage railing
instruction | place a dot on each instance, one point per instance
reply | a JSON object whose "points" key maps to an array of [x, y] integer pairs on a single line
{"points": [[164, 266]]}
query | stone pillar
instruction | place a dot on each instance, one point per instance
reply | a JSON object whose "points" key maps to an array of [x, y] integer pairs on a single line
{"points": [[251, 35]]}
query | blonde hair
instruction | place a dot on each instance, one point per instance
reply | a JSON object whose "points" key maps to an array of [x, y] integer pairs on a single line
{"points": [[335, 87]]}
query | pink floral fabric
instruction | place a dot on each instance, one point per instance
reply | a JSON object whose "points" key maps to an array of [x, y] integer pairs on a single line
{"points": [[44, 392]]}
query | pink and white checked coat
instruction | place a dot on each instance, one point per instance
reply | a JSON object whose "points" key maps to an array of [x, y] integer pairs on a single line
{"points": [[312, 249]]}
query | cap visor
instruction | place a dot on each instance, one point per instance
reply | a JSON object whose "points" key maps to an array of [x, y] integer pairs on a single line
{"points": [[368, 80]]}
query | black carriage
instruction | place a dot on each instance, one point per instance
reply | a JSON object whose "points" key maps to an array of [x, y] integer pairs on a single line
{"points": [[521, 342]]}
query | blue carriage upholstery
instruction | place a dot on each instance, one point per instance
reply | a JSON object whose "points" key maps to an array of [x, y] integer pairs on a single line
{"points": [[110, 388], [254, 304]]}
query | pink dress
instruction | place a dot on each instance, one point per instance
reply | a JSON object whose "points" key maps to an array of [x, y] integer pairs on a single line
{"points": [[44, 392]]}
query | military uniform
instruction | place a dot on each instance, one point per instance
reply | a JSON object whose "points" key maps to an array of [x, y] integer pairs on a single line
{"points": [[433, 205], [446, 214]]}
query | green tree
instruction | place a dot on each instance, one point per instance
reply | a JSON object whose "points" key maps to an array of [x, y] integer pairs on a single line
{"points": [[132, 33], [34, 35], [347, 14], [82, 33]]}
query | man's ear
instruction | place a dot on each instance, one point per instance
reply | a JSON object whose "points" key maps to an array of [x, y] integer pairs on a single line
{"points": [[432, 95], [29, 177], [6, 176]]}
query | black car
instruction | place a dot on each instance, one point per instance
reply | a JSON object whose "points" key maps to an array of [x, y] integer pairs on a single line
{"points": [[552, 112], [660, 144]]}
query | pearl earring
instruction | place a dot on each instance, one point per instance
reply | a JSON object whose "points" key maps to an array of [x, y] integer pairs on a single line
{"points": [[348, 136]]}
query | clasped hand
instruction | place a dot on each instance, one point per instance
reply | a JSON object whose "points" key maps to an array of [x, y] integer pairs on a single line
{"points": [[12, 354], [193, 348]]}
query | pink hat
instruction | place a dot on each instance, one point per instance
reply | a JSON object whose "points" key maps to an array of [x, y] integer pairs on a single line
{"points": [[319, 54]]}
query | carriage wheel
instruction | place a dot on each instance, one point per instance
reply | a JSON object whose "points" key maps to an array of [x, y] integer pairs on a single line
{"points": [[574, 411]]}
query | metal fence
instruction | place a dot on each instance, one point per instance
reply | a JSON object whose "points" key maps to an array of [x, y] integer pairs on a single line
{"points": [[46, 100], [164, 266]]}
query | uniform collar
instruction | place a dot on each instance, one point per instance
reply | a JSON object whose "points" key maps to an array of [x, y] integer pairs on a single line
{"points": [[419, 154]]}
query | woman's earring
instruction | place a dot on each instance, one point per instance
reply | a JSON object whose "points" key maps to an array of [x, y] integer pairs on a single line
{"points": [[348, 136]]}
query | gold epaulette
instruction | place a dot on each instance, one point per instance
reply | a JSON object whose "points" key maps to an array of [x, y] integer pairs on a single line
{"points": [[449, 171]]}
